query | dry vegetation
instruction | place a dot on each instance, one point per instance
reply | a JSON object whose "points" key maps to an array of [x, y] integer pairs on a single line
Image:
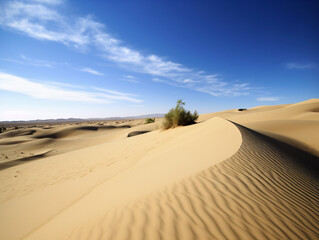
{"points": [[178, 116]]}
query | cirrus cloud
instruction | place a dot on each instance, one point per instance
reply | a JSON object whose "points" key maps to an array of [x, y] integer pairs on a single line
{"points": [[268, 99], [92, 71], [300, 66]]}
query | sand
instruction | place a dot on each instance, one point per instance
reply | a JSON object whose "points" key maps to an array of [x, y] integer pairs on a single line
{"points": [[235, 175]]}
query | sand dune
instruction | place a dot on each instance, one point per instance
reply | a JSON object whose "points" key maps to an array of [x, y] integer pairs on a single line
{"points": [[294, 124], [123, 170], [217, 179], [255, 194], [25, 144], [299, 133]]}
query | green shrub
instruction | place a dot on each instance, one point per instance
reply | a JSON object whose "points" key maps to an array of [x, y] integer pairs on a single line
{"points": [[178, 116], [149, 120]]}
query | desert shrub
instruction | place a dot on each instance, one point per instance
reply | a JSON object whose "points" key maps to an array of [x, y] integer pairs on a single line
{"points": [[149, 120], [178, 116]]}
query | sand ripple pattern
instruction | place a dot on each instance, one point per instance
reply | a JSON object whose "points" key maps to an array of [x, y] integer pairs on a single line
{"points": [[261, 192]]}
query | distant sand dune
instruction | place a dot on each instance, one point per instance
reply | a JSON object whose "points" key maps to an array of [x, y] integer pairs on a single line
{"points": [[21, 145], [73, 131], [23, 160], [18, 132]]}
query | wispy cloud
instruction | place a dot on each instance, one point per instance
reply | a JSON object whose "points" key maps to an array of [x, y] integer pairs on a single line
{"points": [[30, 61], [268, 99], [50, 2], [42, 20], [130, 78], [37, 62], [294, 65], [111, 94], [12, 83], [92, 71]]}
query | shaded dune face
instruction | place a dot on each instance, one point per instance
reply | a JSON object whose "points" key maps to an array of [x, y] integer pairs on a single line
{"points": [[75, 131], [264, 191], [25, 145], [16, 162], [16, 133]]}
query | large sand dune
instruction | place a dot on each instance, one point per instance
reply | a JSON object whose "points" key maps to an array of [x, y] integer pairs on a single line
{"points": [[255, 194], [216, 179]]}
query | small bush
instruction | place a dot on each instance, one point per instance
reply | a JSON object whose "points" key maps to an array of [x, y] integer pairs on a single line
{"points": [[149, 120], [178, 116]]}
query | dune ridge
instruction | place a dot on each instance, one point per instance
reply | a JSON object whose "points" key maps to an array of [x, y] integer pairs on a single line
{"points": [[295, 124], [255, 194]]}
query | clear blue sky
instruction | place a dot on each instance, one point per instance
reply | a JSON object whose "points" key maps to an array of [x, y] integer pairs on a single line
{"points": [[67, 58]]}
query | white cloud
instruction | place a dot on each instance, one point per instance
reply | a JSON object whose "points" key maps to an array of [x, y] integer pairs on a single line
{"points": [[42, 20], [50, 2], [222, 88], [268, 99], [130, 78], [33, 62], [294, 65], [36, 62], [38, 90], [92, 71], [118, 95], [157, 80]]}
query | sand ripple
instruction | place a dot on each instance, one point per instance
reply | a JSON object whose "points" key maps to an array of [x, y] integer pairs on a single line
{"points": [[264, 191]]}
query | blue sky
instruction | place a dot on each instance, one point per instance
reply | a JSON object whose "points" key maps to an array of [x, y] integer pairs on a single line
{"points": [[66, 58]]}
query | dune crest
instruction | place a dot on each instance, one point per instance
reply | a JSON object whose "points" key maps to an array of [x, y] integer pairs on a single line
{"points": [[255, 194], [143, 164]]}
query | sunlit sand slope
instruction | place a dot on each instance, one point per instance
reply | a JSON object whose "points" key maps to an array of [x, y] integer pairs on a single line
{"points": [[295, 124], [48, 199], [266, 190]]}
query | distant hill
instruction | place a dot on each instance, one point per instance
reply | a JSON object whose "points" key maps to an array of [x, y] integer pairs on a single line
{"points": [[64, 120]]}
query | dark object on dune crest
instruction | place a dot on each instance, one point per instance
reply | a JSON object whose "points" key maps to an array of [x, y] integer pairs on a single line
{"points": [[178, 116], [132, 134], [242, 109]]}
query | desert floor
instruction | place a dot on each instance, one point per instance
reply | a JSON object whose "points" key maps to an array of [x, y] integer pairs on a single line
{"points": [[251, 174]]}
